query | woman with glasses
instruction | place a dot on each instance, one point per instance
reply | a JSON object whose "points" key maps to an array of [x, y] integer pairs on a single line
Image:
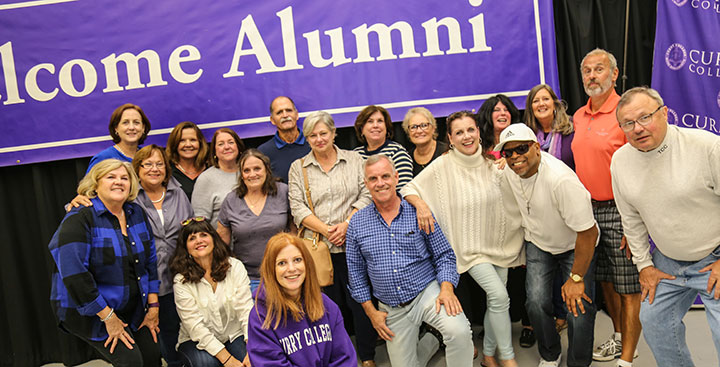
{"points": [[166, 206], [212, 296], [547, 115], [217, 181], [478, 213], [105, 284], [420, 126]]}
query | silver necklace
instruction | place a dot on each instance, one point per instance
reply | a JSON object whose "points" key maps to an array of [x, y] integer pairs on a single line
{"points": [[158, 200], [532, 191]]}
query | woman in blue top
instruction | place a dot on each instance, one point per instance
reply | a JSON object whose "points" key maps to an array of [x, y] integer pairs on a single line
{"points": [[105, 284], [128, 128]]}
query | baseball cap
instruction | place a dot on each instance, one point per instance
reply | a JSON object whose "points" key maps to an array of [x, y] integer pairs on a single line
{"points": [[515, 132]]}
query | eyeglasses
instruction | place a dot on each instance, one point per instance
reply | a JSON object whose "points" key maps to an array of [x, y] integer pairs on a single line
{"points": [[424, 126], [150, 165], [520, 150], [642, 120], [193, 219]]}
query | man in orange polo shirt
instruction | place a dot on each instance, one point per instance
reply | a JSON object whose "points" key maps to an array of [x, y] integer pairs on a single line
{"points": [[597, 137]]}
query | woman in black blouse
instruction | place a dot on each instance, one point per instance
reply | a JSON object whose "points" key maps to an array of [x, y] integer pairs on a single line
{"points": [[421, 127]]}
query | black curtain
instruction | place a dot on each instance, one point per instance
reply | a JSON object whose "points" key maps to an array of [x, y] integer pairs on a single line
{"points": [[32, 196], [582, 25]]}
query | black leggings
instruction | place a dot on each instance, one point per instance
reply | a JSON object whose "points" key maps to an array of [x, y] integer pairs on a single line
{"points": [[145, 352]]}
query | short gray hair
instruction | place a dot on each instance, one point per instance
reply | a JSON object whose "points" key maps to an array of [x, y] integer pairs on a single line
{"points": [[600, 51], [318, 117], [375, 158], [631, 93], [419, 111]]}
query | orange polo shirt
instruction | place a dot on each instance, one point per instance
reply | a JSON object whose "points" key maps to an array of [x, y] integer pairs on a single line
{"points": [[597, 137]]}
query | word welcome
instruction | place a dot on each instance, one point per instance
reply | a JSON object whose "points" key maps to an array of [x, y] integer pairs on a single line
{"points": [[184, 62]]}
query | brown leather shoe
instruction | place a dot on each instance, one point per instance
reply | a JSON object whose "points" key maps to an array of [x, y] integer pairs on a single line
{"points": [[368, 363]]}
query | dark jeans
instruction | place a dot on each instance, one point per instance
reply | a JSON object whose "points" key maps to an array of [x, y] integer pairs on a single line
{"points": [[145, 352], [191, 356], [365, 334], [169, 330], [541, 271]]}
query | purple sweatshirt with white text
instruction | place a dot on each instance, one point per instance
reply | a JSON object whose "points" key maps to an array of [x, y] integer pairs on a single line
{"points": [[323, 343]]}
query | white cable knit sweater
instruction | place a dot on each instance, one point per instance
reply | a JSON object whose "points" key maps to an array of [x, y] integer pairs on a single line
{"points": [[475, 208]]}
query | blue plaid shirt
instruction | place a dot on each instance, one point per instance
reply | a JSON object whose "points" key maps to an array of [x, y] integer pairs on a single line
{"points": [[91, 267], [399, 260]]}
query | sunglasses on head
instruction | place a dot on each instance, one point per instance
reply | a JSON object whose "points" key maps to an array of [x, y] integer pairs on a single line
{"points": [[193, 219], [520, 150]]}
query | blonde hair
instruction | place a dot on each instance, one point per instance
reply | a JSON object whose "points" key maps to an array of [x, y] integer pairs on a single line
{"points": [[88, 185], [278, 303]]}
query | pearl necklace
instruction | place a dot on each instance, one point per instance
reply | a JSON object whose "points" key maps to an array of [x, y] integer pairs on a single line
{"points": [[158, 200]]}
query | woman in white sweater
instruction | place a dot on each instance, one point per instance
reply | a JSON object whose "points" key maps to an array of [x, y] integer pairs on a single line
{"points": [[212, 296], [480, 219]]}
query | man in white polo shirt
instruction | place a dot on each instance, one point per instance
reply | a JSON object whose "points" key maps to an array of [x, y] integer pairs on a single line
{"points": [[560, 233]]}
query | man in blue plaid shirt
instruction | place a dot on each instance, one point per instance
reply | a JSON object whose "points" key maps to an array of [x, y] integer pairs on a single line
{"points": [[412, 274]]}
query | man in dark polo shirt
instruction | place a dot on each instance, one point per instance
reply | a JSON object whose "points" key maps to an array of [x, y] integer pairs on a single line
{"points": [[288, 144]]}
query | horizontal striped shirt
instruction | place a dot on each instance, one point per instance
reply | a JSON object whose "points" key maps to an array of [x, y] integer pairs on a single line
{"points": [[92, 269], [399, 156], [397, 260]]}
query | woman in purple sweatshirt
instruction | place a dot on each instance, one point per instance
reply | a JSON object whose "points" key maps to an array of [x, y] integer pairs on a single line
{"points": [[293, 323]]}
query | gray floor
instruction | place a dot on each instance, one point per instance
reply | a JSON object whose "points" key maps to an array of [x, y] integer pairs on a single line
{"points": [[698, 337]]}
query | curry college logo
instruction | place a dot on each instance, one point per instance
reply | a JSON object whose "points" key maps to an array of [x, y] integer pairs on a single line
{"points": [[676, 56], [672, 117], [679, 2]]}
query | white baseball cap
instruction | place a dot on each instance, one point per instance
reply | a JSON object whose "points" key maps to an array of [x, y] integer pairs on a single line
{"points": [[515, 132]]}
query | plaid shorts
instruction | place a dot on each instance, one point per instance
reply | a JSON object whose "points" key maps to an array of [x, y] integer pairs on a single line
{"points": [[612, 265]]}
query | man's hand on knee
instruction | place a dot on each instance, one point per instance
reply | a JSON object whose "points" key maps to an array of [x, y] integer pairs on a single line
{"points": [[714, 279], [650, 277]]}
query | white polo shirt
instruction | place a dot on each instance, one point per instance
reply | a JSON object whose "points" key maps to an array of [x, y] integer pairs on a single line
{"points": [[559, 205]]}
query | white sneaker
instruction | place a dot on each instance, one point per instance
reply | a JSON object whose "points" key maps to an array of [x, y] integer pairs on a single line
{"points": [[609, 350], [544, 363]]}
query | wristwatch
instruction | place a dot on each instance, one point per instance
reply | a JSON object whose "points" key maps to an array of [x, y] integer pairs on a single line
{"points": [[577, 278]]}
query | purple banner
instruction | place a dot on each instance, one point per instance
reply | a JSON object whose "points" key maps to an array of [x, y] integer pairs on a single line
{"points": [[67, 64], [686, 69]]}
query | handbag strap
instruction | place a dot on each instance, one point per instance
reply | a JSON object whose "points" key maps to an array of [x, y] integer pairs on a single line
{"points": [[309, 198], [307, 185]]}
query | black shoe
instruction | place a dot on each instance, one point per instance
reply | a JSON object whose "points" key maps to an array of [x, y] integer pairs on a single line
{"points": [[527, 338]]}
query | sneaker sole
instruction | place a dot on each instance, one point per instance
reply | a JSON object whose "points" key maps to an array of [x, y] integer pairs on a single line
{"points": [[605, 358]]}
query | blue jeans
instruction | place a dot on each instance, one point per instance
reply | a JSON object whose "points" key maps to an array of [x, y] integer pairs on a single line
{"points": [[498, 333], [542, 267], [662, 323], [254, 284], [406, 350], [169, 330], [194, 357]]}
